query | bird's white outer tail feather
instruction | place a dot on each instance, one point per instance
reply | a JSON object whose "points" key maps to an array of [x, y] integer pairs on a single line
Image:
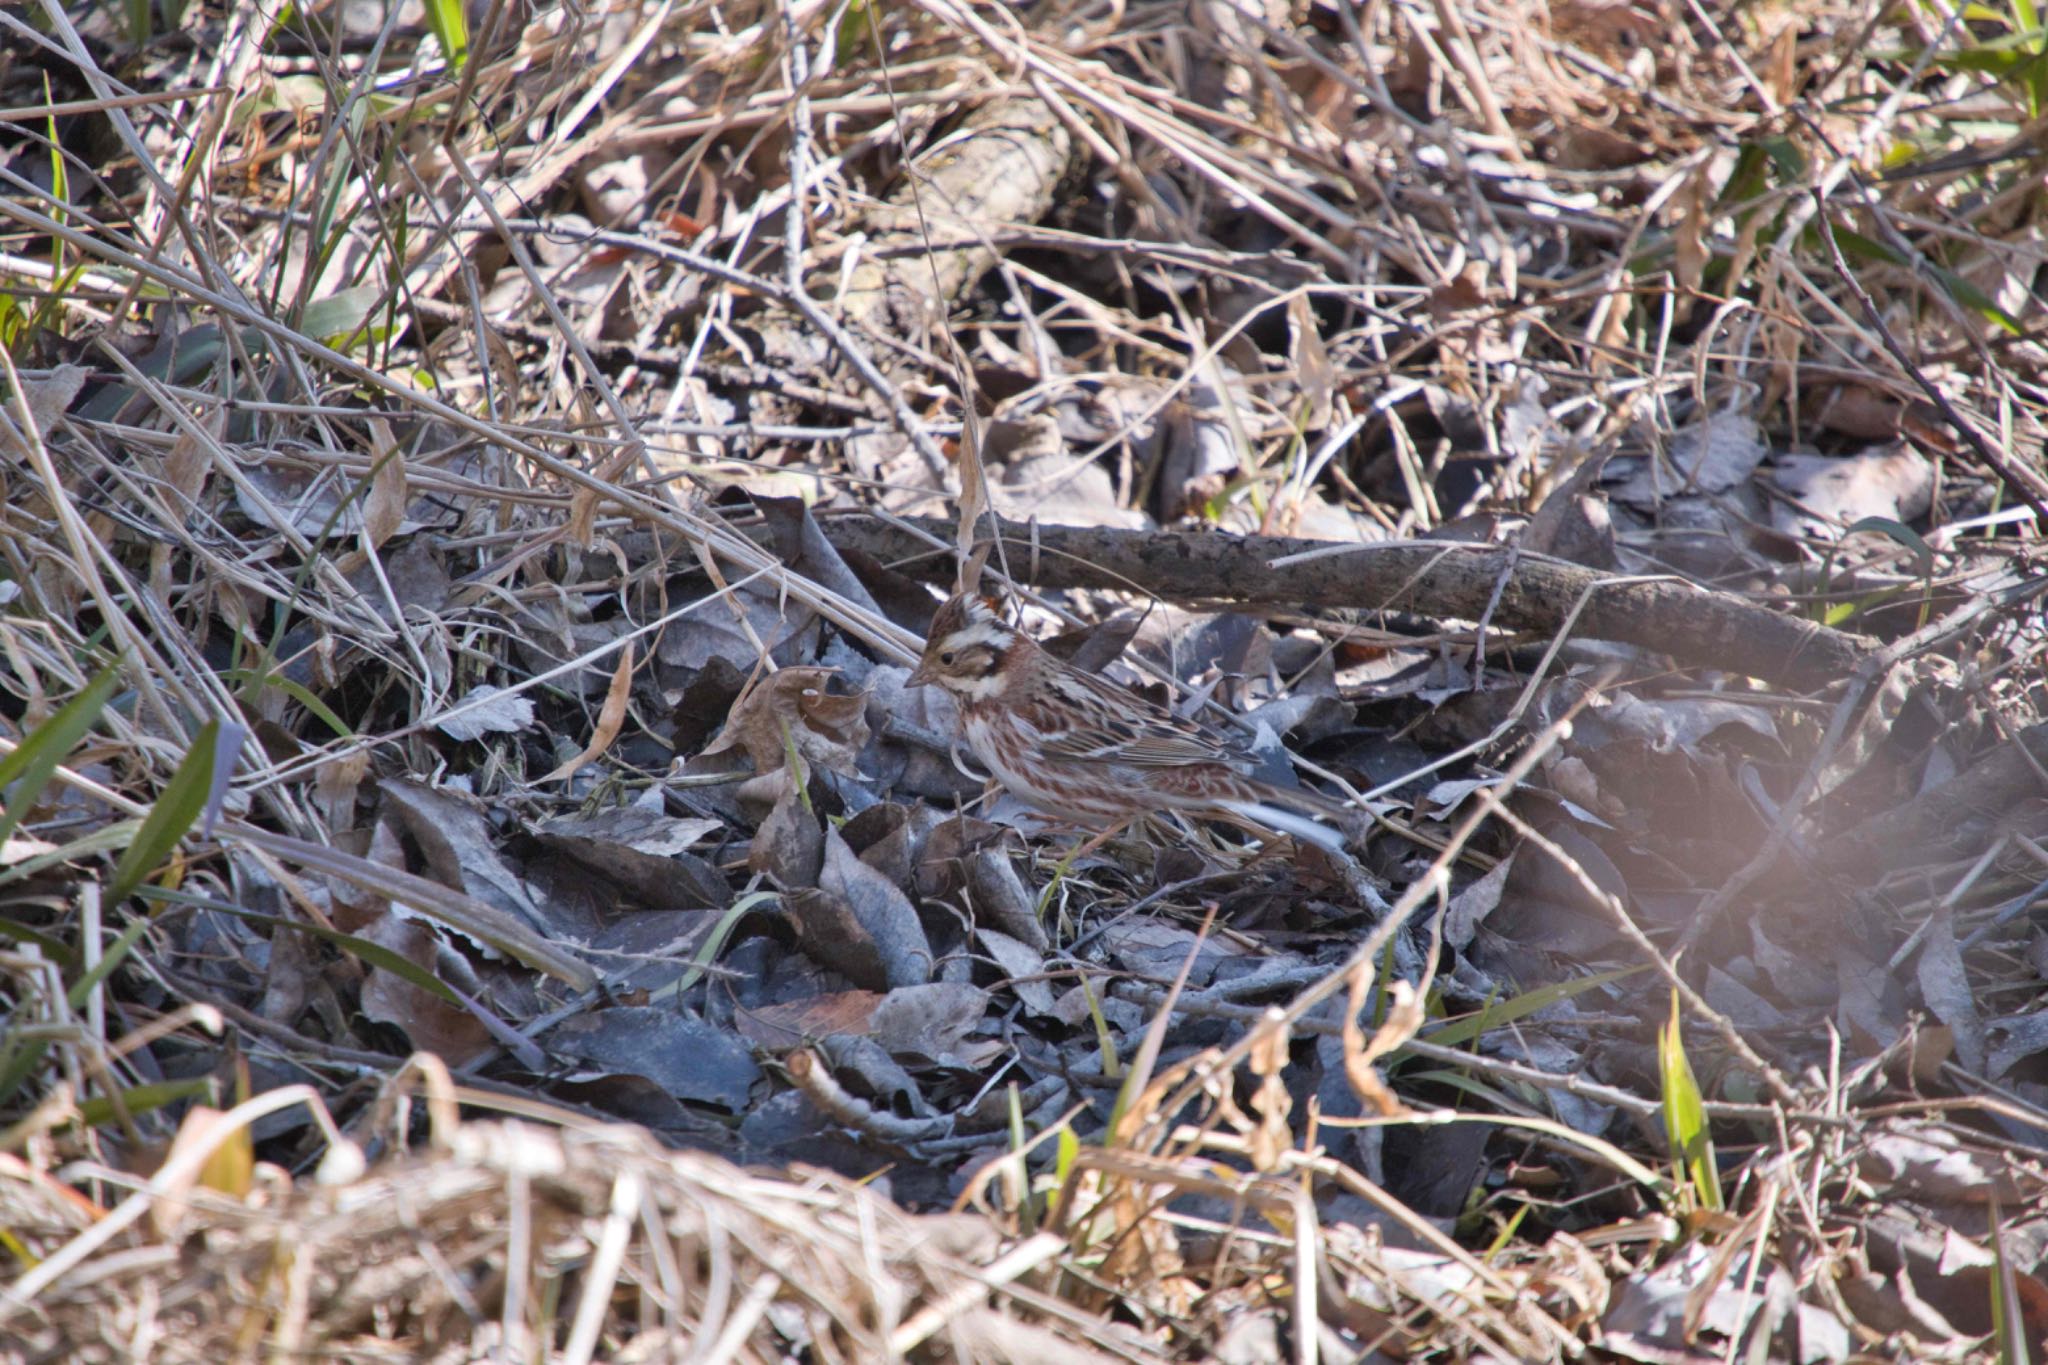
{"points": [[1287, 822]]}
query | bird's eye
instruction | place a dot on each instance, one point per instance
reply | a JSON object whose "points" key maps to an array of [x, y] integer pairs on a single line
{"points": [[946, 657]]}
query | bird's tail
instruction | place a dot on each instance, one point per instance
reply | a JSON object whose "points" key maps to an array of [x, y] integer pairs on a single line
{"points": [[1299, 812]]}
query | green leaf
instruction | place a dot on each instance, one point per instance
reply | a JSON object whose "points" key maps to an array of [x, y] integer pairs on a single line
{"points": [[1971, 296], [1067, 1147], [714, 942], [28, 769], [1747, 180], [1858, 247], [340, 320], [51, 947], [19, 1058], [179, 361], [1685, 1116], [376, 954], [1105, 1041], [105, 839], [142, 1099], [1786, 158], [175, 811], [450, 27], [2008, 1317], [253, 682], [1900, 533], [1456, 1032], [798, 772]]}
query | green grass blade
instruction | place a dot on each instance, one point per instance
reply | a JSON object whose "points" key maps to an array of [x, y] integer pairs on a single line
{"points": [[714, 942], [376, 954], [1685, 1116], [1457, 1032], [450, 27], [142, 1099], [176, 810], [26, 771]]}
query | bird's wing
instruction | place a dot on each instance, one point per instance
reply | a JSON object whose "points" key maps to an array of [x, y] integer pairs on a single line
{"points": [[1104, 723]]}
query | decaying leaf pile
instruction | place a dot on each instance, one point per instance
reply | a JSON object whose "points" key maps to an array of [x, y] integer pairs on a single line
{"points": [[475, 485]]}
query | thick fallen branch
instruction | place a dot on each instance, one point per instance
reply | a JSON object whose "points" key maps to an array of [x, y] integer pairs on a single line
{"points": [[1435, 579]]}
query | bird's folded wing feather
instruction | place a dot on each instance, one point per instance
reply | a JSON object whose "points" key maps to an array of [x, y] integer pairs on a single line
{"points": [[1104, 727]]}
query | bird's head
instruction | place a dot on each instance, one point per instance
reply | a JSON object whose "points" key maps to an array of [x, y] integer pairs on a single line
{"points": [[969, 649]]}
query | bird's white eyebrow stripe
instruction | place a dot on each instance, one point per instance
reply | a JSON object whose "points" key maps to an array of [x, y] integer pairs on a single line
{"points": [[994, 634]]}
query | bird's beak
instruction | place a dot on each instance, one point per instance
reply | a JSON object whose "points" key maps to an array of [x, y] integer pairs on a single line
{"points": [[921, 676]]}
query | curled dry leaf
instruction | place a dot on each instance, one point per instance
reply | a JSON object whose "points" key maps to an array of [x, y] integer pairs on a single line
{"points": [[642, 853], [384, 508], [455, 838], [942, 867], [886, 838], [1270, 1135], [885, 914], [1831, 492], [738, 625], [47, 398], [788, 844], [785, 1025], [831, 934], [429, 1023], [1000, 898], [1711, 457], [609, 719], [1023, 968], [794, 708]]}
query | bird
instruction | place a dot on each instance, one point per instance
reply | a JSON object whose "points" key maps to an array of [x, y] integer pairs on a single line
{"points": [[1083, 749]]}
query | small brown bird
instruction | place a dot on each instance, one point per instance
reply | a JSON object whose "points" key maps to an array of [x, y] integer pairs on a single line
{"points": [[1086, 750]]}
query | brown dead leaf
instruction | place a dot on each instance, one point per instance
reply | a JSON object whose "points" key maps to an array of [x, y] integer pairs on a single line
{"points": [[47, 399], [384, 507], [929, 1019], [583, 504], [1690, 241], [1313, 370], [609, 718], [794, 708], [1859, 411], [689, 1058], [786, 1025], [1402, 1022], [335, 783], [1468, 315], [885, 915], [1000, 899], [430, 1023], [788, 845], [830, 933], [1271, 1137]]}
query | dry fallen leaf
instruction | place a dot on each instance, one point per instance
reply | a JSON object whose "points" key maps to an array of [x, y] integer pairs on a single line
{"points": [[609, 719], [793, 708]]}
